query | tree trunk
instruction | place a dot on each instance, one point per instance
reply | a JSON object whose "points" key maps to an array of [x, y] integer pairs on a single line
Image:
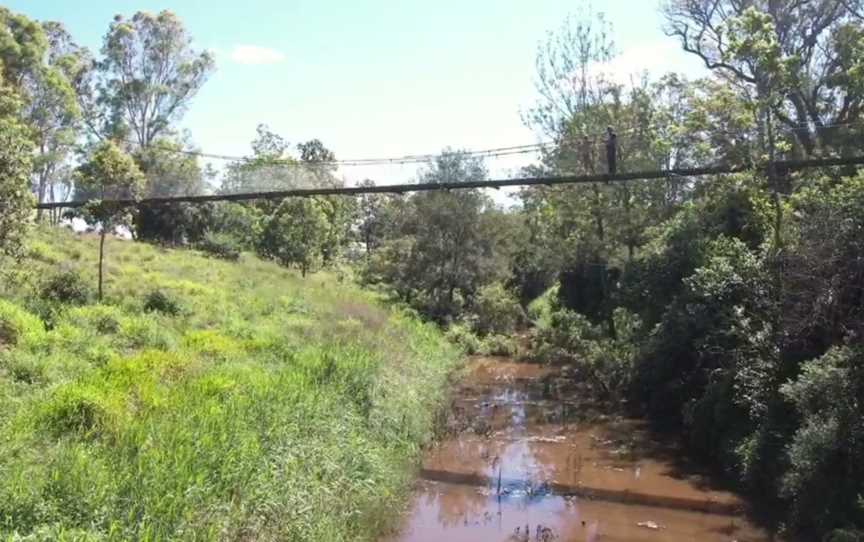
{"points": [[101, 259]]}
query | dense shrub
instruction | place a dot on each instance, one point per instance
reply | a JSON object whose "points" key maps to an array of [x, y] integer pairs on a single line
{"points": [[15, 166], [540, 310], [461, 335], [496, 310], [603, 361], [176, 223], [221, 246], [705, 365], [825, 480], [65, 287], [499, 345], [159, 301], [26, 369]]}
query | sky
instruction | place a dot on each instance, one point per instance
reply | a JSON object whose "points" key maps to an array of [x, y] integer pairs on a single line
{"points": [[373, 78]]}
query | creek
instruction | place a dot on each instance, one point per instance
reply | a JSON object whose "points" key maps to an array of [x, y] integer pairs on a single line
{"points": [[521, 460]]}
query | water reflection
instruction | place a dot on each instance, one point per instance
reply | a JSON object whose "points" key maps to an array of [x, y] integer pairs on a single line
{"points": [[520, 464]]}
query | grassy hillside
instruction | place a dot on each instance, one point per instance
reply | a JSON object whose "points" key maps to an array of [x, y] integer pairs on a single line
{"points": [[243, 403]]}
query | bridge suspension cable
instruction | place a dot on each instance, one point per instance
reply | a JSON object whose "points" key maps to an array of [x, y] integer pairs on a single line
{"points": [[780, 165]]}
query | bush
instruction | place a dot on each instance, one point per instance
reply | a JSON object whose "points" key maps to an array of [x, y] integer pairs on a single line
{"points": [[220, 245], [498, 345], [568, 333], [540, 310], [65, 287], [461, 335], [159, 301], [496, 310], [825, 479], [606, 362]]}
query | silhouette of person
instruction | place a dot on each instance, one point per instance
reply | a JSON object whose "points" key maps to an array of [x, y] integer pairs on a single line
{"points": [[611, 150]]}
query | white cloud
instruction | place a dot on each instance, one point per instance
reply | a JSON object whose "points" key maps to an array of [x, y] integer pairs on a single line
{"points": [[654, 58], [253, 54]]}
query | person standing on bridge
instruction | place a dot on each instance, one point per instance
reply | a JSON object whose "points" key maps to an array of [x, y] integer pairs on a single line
{"points": [[611, 150]]}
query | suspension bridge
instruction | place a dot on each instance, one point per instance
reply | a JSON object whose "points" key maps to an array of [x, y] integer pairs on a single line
{"points": [[778, 166]]}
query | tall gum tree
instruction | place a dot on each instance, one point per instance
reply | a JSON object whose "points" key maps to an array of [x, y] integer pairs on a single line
{"points": [[147, 77], [53, 112], [802, 58], [40, 63]]}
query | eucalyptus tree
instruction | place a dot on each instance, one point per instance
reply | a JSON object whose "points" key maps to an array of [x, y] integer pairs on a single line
{"points": [[148, 74], [800, 60], [53, 113]]}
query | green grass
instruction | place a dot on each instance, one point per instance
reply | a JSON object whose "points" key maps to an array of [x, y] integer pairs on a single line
{"points": [[266, 407]]}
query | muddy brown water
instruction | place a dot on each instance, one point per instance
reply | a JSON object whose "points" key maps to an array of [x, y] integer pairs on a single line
{"points": [[521, 462]]}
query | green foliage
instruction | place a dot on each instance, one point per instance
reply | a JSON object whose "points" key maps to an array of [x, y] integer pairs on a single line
{"points": [[766, 48], [148, 75], [159, 301], [53, 111], [295, 234], [220, 245], [825, 479], [496, 311], [17, 326], [721, 327], [442, 246], [607, 364], [461, 335], [540, 310], [110, 175], [731, 207], [22, 45], [499, 345], [65, 286], [15, 165], [170, 173], [238, 221], [272, 407]]}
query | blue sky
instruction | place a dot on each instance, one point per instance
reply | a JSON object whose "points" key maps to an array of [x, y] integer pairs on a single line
{"points": [[372, 78]]}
